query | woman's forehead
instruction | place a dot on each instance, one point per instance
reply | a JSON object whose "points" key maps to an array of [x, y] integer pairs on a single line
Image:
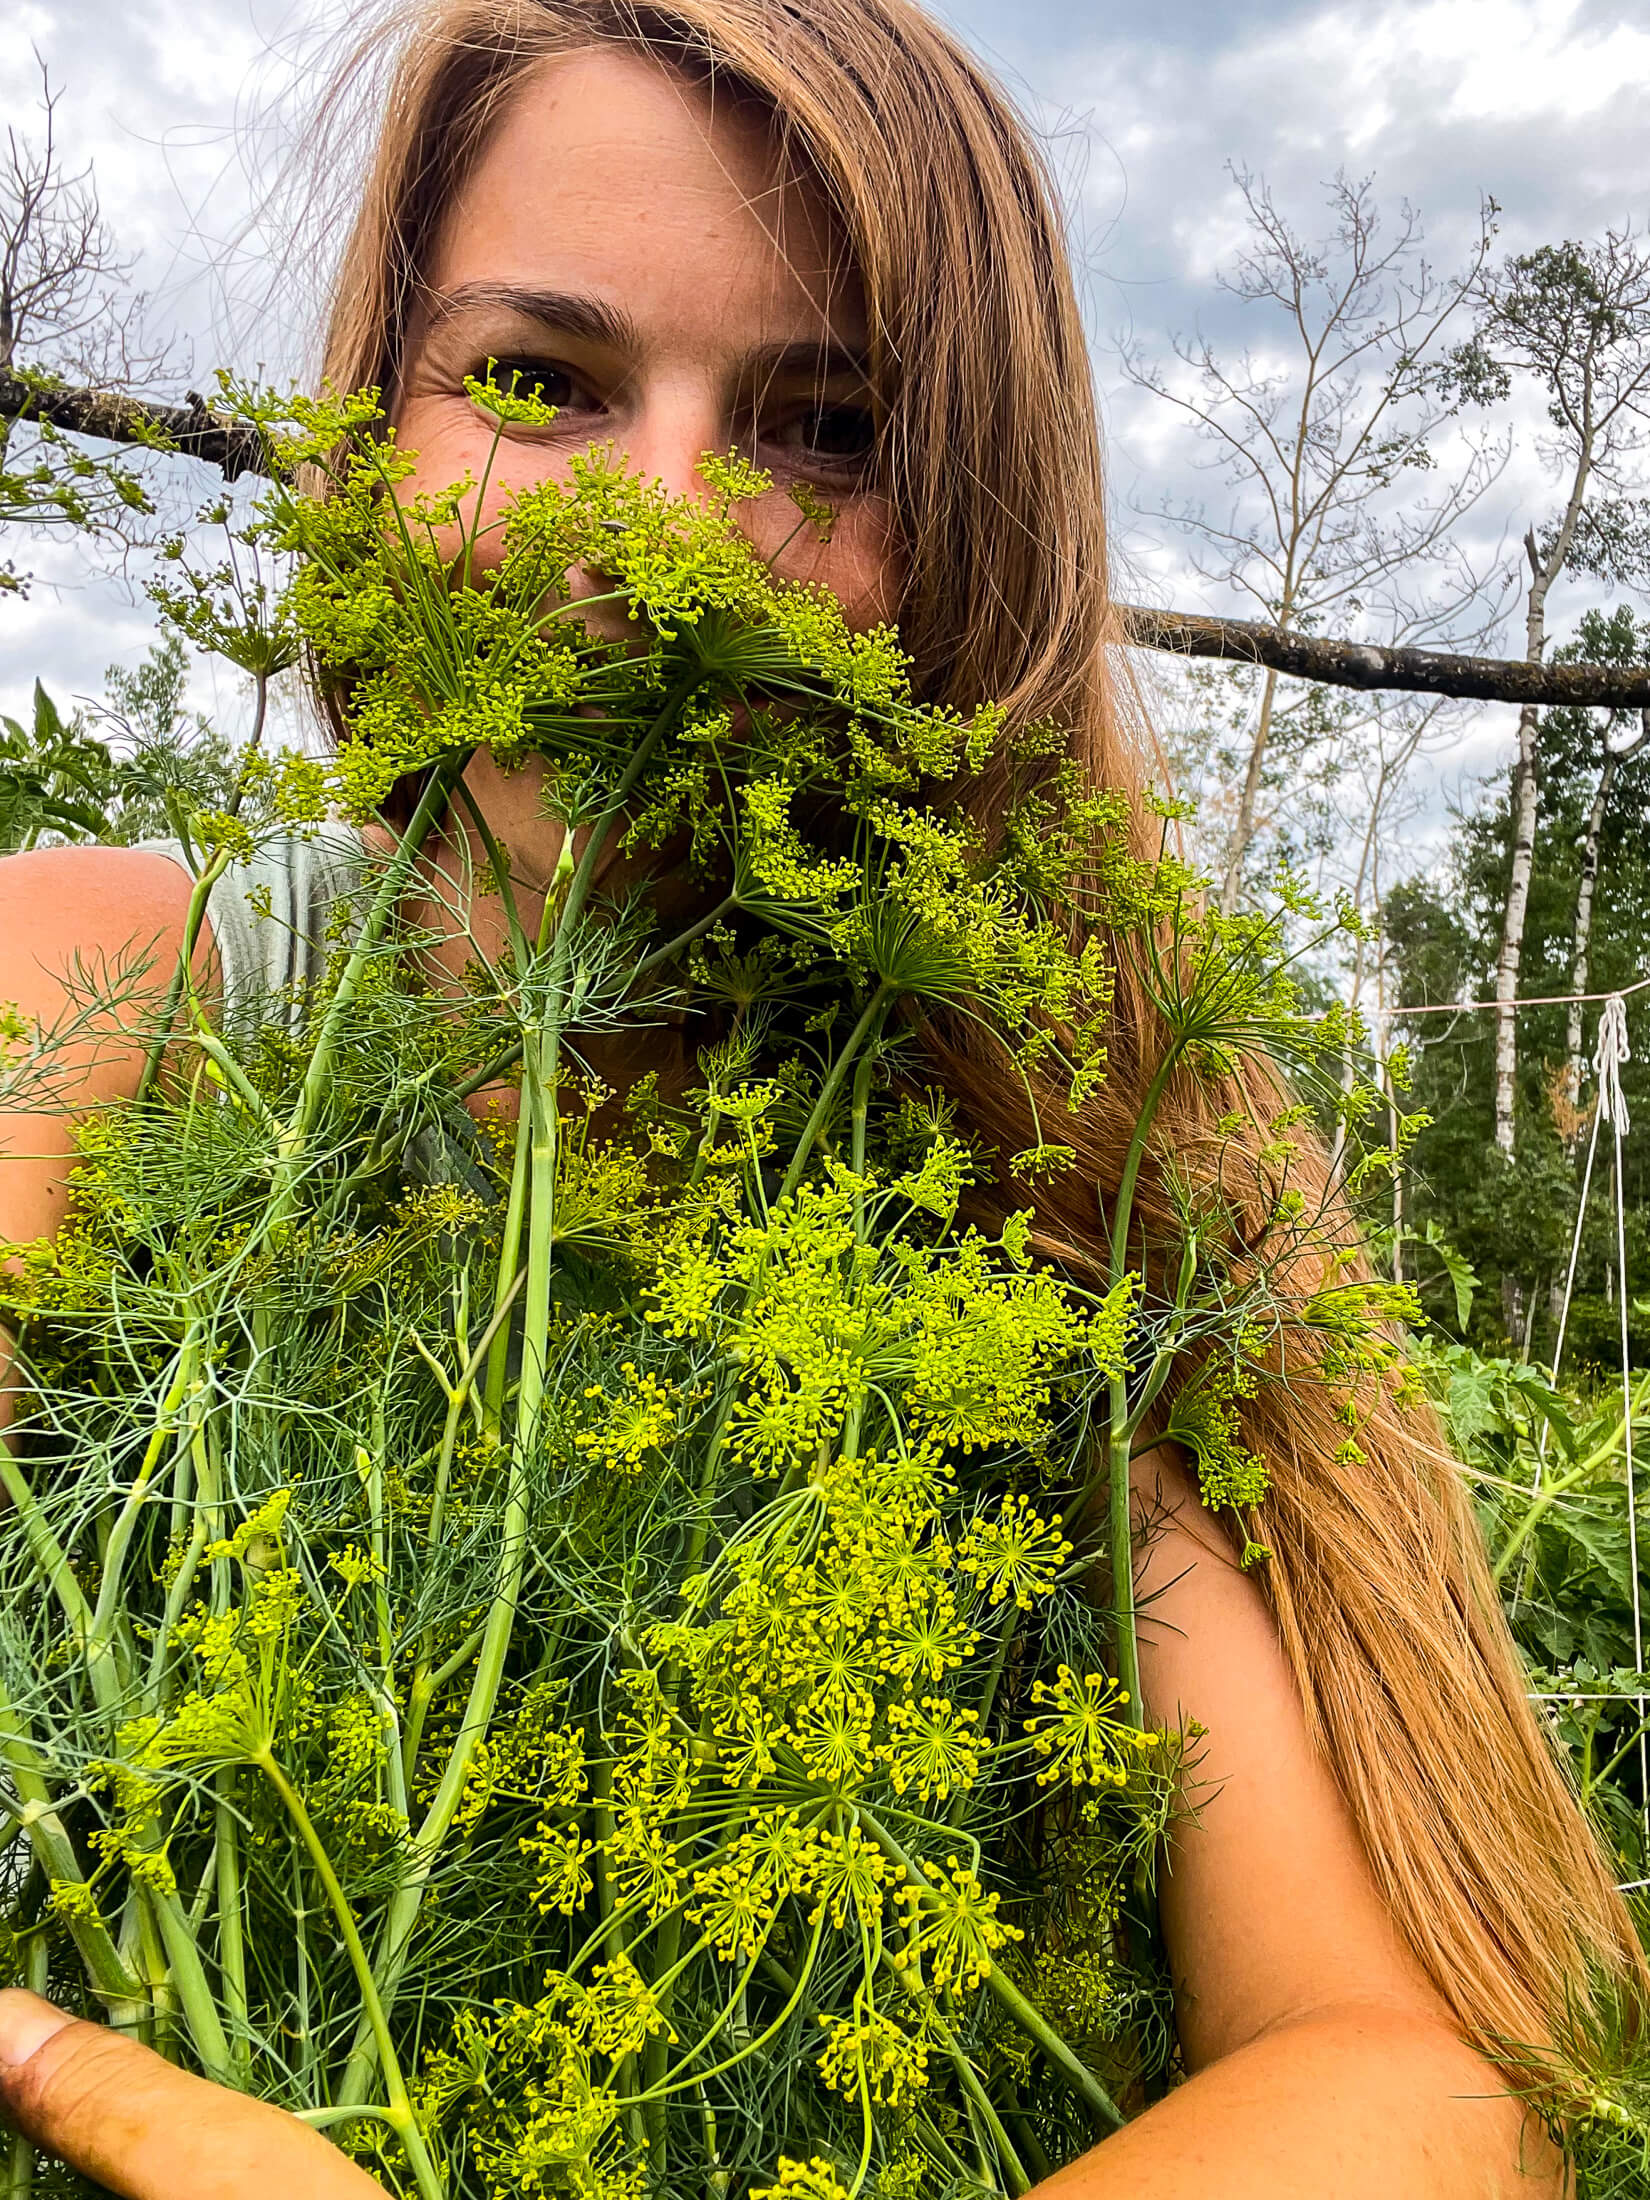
{"points": [[612, 177]]}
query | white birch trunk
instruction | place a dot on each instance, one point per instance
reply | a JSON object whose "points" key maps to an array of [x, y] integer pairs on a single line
{"points": [[1526, 790], [1584, 929], [1243, 831]]}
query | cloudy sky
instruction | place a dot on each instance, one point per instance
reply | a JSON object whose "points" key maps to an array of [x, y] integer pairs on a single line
{"points": [[189, 111]]}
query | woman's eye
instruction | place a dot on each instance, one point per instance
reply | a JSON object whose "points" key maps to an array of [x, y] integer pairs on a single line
{"points": [[540, 378], [840, 435]]}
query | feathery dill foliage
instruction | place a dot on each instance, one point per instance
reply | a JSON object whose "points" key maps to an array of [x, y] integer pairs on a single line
{"points": [[572, 1648]]}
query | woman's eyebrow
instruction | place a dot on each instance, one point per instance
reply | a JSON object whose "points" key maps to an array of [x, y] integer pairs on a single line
{"points": [[820, 358], [576, 313], [573, 312]]}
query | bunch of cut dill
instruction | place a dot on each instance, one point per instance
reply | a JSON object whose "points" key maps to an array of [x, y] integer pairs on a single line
{"points": [[568, 1637]]}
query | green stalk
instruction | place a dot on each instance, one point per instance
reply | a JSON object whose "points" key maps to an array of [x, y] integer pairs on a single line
{"points": [[194, 918], [110, 1979], [1004, 1992], [1120, 1430], [1550, 1492], [108, 1608], [231, 1935], [48, 1554], [187, 1976], [399, 2113], [969, 2079], [869, 1025], [510, 1275], [20, 2176], [318, 1075]]}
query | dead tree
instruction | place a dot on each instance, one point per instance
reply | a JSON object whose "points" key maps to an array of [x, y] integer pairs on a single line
{"points": [[1314, 449]]}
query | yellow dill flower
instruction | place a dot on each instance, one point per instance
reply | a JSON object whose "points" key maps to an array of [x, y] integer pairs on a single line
{"points": [[846, 1874], [639, 1420], [814, 2179], [257, 1539], [1080, 1736], [1206, 1418], [833, 1735], [870, 2054], [562, 1857], [933, 1747], [1017, 1555], [954, 1930], [618, 2012], [923, 1636]]}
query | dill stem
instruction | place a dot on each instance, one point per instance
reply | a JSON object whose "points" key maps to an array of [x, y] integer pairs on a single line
{"points": [[969, 2079], [1120, 1435], [870, 1023], [318, 1072], [231, 1936], [20, 2171], [194, 918], [48, 1837], [511, 1277], [1003, 1990], [399, 2113], [44, 1548], [187, 1980], [98, 1639]]}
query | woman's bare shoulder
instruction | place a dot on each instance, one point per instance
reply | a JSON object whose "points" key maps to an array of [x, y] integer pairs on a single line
{"points": [[57, 904]]}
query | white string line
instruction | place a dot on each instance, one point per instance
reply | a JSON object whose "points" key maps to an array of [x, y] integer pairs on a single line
{"points": [[1613, 1051], [1569, 1288], [1534, 1000], [1578, 1695]]}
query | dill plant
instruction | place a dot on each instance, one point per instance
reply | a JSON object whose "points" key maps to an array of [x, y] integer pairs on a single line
{"points": [[581, 1649]]}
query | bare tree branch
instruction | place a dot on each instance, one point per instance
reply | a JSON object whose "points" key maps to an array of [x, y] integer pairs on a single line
{"points": [[111, 417], [1365, 665]]}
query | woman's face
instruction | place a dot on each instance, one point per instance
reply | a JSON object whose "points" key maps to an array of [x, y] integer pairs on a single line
{"points": [[627, 245]]}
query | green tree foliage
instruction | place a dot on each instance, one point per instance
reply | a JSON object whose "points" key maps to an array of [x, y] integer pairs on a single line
{"points": [[140, 766], [1514, 1219]]}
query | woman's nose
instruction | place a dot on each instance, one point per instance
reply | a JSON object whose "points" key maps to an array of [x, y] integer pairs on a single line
{"points": [[661, 442], [669, 434]]}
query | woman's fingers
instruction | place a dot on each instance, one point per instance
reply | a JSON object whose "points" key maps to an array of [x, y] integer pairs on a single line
{"points": [[147, 2131]]}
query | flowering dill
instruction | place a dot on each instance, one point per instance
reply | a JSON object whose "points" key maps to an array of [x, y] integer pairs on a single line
{"points": [[566, 1648]]}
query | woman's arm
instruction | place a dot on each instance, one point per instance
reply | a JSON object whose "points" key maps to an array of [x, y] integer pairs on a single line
{"points": [[120, 914], [1322, 2060]]}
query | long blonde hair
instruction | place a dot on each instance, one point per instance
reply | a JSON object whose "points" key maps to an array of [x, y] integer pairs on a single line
{"points": [[989, 450]]}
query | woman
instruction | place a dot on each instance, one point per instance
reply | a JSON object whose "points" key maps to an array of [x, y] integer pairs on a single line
{"points": [[813, 229]]}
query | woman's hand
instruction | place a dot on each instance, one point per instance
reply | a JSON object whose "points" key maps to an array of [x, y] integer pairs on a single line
{"points": [[126, 2118]]}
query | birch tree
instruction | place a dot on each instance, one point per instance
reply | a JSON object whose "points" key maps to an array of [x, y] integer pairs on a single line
{"points": [[1575, 320], [1323, 428]]}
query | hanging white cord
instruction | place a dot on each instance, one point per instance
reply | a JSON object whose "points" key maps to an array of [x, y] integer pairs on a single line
{"points": [[1522, 1578], [1570, 1279], [1612, 1051]]}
